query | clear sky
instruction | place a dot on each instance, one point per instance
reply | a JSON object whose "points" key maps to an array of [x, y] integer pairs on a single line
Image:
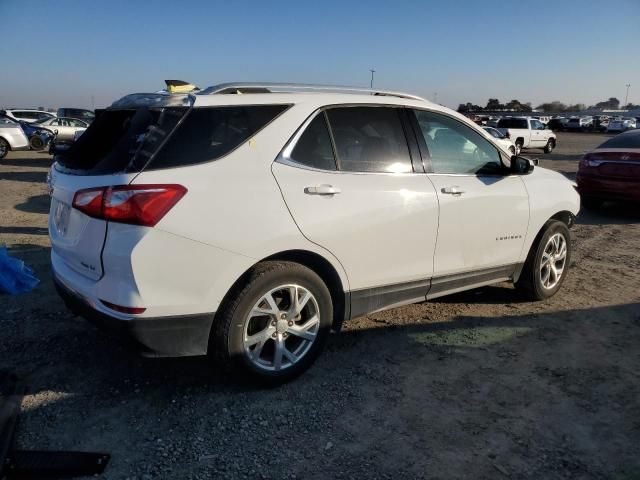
{"points": [[63, 52]]}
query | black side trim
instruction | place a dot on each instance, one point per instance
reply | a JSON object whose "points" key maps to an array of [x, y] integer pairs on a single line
{"points": [[173, 336], [370, 300], [461, 281]]}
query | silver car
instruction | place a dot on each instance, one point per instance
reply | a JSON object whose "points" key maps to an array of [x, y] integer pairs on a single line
{"points": [[12, 136], [66, 127]]}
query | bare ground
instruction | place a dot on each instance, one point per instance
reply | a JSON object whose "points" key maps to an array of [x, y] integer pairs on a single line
{"points": [[477, 385]]}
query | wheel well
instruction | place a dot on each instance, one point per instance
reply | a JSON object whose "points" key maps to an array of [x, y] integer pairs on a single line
{"points": [[566, 217], [326, 272], [320, 266], [520, 140], [8, 144]]}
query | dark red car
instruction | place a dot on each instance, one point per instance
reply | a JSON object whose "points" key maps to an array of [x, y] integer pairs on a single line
{"points": [[611, 171]]}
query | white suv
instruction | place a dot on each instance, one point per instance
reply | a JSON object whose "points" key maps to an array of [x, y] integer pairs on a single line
{"points": [[248, 220]]}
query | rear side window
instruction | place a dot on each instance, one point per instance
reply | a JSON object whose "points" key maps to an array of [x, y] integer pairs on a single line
{"points": [[623, 141], [313, 148], [513, 123], [125, 140], [210, 133], [369, 139]]}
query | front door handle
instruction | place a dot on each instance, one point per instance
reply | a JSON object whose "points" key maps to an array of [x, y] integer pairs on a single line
{"points": [[322, 190], [452, 190]]}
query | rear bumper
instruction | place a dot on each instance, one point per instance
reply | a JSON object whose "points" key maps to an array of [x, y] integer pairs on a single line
{"points": [[608, 188], [173, 336]]}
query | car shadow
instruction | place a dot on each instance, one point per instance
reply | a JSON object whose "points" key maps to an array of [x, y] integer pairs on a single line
{"points": [[34, 177], [42, 162], [35, 204], [611, 213], [24, 230]]}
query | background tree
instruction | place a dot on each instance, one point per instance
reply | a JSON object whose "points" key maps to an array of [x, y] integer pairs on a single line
{"points": [[552, 107], [612, 104], [494, 104]]}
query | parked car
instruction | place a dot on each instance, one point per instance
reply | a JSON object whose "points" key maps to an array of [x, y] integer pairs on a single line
{"points": [[527, 133], [506, 143], [600, 123], [579, 123], [28, 115], [558, 124], [611, 171], [248, 226], [86, 116], [622, 124], [11, 136], [66, 127]]}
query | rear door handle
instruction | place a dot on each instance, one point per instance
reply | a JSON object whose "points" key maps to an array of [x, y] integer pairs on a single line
{"points": [[322, 190], [452, 190]]}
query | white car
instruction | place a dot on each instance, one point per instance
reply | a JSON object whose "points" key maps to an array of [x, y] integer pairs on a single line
{"points": [[12, 136], [248, 220], [527, 133], [622, 124], [66, 127], [506, 143], [29, 115]]}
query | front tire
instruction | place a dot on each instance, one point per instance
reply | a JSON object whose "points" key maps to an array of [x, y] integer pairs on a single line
{"points": [[551, 144], [275, 324], [547, 263], [4, 148]]}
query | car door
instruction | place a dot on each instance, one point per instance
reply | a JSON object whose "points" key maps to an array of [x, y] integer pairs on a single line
{"points": [[348, 181], [538, 134], [484, 210], [65, 130]]}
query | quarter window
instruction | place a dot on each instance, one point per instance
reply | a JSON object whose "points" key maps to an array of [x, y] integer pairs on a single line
{"points": [[369, 139], [456, 148], [313, 148]]}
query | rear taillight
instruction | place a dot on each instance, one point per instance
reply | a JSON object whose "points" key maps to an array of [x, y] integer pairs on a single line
{"points": [[597, 158], [134, 204]]}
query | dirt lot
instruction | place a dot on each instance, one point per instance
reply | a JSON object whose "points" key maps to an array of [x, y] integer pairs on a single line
{"points": [[477, 385]]}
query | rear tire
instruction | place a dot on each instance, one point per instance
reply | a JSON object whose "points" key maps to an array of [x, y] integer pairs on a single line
{"points": [[547, 263], [4, 148], [551, 144], [261, 330]]}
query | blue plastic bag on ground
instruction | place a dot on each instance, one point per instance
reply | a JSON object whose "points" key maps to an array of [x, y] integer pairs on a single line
{"points": [[15, 276]]}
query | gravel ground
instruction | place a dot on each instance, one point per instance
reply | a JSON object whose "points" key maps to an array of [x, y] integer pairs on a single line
{"points": [[476, 385]]}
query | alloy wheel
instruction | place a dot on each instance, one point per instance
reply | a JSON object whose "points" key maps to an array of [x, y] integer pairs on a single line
{"points": [[281, 327], [554, 258]]}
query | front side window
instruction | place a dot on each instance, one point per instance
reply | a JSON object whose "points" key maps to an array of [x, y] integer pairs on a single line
{"points": [[369, 139], [313, 148], [455, 148], [536, 125]]}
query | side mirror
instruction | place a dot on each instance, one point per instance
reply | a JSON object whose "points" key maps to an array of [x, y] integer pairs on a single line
{"points": [[521, 165]]}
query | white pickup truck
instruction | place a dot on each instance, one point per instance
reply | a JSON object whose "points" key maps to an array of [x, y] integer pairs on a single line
{"points": [[527, 133]]}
